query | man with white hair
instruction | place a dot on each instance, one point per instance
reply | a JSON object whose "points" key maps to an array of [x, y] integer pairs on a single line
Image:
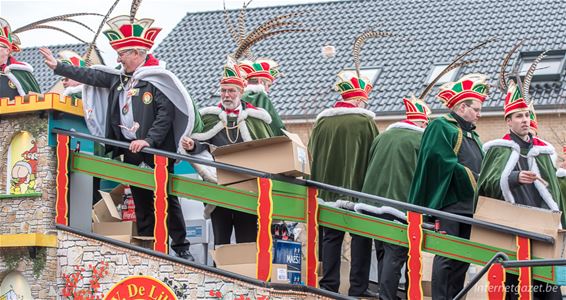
{"points": [[147, 106], [231, 121]]}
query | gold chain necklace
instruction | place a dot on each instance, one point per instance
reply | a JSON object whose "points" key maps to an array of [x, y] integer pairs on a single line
{"points": [[237, 127]]}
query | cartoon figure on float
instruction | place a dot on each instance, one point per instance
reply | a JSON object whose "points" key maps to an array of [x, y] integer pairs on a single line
{"points": [[24, 171]]}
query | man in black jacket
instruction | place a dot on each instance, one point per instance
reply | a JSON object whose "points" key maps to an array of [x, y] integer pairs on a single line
{"points": [[146, 106]]}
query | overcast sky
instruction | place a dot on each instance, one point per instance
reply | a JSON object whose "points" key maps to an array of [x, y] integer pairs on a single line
{"points": [[167, 13]]}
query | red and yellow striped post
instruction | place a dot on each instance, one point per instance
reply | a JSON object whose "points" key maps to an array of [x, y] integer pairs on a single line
{"points": [[161, 178], [62, 181], [415, 258], [312, 236], [496, 282], [264, 238], [524, 253]]}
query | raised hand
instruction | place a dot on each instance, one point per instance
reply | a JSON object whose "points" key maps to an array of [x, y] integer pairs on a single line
{"points": [[48, 57]]}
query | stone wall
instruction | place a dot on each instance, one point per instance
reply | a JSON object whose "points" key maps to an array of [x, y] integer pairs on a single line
{"points": [[79, 251], [28, 215], [22, 215]]}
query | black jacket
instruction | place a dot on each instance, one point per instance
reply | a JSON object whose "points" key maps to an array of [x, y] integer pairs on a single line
{"points": [[155, 117]]}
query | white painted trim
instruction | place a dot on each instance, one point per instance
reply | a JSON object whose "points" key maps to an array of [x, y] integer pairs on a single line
{"points": [[404, 125], [339, 111]]}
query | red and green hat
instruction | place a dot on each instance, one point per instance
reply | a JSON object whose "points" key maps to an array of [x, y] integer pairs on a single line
{"points": [[7, 37], [352, 87], [261, 68], [124, 34], [233, 75], [514, 101], [416, 109], [71, 58], [469, 87], [533, 117]]}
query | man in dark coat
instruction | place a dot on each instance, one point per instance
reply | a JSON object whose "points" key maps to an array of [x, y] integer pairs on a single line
{"points": [[147, 106]]}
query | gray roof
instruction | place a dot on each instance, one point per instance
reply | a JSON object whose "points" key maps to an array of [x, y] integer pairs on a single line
{"points": [[426, 32], [42, 73]]}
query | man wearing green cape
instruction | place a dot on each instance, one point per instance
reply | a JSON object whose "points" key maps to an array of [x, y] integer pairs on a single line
{"points": [[393, 159], [16, 78], [448, 165], [339, 147], [260, 75], [519, 169], [232, 121]]}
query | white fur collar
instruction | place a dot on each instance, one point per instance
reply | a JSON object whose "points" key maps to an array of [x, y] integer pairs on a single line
{"points": [[72, 90], [404, 125], [256, 88], [20, 66], [561, 173], [258, 113], [339, 111], [535, 150], [512, 162]]}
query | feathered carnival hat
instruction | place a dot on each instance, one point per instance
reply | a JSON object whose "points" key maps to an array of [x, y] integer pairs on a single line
{"points": [[352, 85], [516, 92], [469, 87], [71, 58], [130, 33], [416, 109], [7, 38], [233, 75], [249, 66], [261, 68], [533, 117]]}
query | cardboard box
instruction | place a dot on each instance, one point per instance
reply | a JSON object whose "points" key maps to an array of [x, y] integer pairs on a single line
{"points": [[114, 228], [278, 155], [241, 259], [106, 210], [521, 217]]}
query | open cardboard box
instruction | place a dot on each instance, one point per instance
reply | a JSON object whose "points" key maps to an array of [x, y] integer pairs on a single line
{"points": [[241, 259], [278, 155], [106, 210], [107, 220], [533, 219]]}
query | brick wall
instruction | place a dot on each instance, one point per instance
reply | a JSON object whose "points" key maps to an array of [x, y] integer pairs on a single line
{"points": [[489, 128]]}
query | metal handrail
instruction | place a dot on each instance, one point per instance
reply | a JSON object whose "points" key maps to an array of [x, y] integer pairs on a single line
{"points": [[319, 185], [497, 258]]}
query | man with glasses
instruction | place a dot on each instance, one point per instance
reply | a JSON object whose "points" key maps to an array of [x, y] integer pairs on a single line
{"points": [[16, 78], [147, 106], [393, 159], [231, 121], [339, 149], [447, 170], [519, 169]]}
